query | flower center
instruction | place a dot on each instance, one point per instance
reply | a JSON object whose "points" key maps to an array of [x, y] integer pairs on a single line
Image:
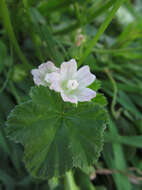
{"points": [[72, 84]]}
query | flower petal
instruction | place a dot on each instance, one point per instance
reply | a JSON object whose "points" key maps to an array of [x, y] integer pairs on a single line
{"points": [[36, 77], [85, 94], [48, 67], [68, 69], [54, 79], [84, 76], [69, 98], [40, 73]]}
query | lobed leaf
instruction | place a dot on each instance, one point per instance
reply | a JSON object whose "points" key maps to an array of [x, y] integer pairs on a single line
{"points": [[57, 136]]}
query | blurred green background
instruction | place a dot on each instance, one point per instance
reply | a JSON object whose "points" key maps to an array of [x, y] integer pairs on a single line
{"points": [[32, 32]]}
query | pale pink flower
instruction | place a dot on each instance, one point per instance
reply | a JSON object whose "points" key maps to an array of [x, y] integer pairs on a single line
{"points": [[42, 72], [72, 84]]}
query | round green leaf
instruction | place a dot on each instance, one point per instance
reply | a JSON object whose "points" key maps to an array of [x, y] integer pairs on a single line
{"points": [[57, 136]]}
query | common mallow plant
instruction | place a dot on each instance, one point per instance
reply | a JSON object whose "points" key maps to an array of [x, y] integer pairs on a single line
{"points": [[58, 135], [72, 84]]}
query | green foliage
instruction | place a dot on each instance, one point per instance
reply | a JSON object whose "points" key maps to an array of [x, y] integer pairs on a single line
{"points": [[57, 136], [117, 161], [127, 140], [3, 54], [32, 32]]}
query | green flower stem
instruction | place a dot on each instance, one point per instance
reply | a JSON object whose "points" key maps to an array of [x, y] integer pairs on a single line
{"points": [[89, 19], [69, 182], [8, 26], [101, 30]]}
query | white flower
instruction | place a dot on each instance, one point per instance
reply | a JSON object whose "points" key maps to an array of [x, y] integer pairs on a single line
{"points": [[72, 84], [42, 71]]}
